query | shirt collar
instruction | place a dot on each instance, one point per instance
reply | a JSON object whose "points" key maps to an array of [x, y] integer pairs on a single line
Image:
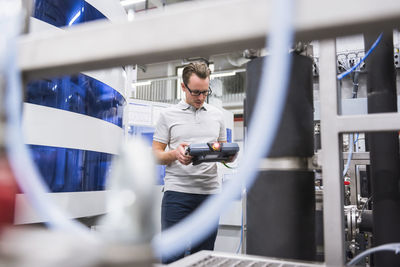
{"points": [[183, 105]]}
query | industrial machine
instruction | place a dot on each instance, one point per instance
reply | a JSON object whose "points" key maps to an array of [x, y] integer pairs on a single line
{"points": [[309, 207]]}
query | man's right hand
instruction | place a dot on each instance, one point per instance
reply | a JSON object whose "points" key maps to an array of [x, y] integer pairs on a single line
{"points": [[180, 154]]}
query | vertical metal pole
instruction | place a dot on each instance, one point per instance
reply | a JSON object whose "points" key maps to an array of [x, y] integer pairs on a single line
{"points": [[134, 79], [331, 157], [353, 183], [244, 224]]}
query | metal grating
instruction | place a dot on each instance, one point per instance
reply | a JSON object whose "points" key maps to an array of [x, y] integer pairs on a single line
{"points": [[159, 91], [222, 259], [228, 89], [227, 262]]}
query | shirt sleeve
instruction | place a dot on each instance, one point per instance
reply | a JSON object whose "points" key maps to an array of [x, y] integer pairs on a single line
{"points": [[222, 130], [161, 133]]}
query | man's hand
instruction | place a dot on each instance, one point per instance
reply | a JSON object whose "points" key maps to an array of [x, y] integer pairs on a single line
{"points": [[167, 157], [232, 158], [181, 156]]}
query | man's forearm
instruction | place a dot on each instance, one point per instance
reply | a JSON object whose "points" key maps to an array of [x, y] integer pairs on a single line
{"points": [[165, 157]]}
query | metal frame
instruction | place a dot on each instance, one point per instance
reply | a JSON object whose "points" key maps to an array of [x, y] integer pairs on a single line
{"points": [[285, 163], [220, 27], [368, 123], [215, 27], [332, 125], [331, 157]]}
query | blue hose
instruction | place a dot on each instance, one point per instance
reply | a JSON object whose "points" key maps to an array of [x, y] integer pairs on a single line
{"points": [[344, 74], [387, 247]]}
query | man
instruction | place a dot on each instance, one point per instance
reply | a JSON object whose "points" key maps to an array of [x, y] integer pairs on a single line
{"points": [[190, 121]]}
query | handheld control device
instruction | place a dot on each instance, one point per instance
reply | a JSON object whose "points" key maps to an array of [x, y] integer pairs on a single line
{"points": [[211, 152]]}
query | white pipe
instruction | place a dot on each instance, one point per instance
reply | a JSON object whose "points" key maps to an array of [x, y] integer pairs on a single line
{"points": [[25, 171], [268, 110], [271, 102], [391, 247]]}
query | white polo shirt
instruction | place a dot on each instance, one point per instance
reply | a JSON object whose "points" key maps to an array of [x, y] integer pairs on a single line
{"points": [[183, 123]]}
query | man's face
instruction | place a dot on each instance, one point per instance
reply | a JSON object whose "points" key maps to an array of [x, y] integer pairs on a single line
{"points": [[196, 85]]}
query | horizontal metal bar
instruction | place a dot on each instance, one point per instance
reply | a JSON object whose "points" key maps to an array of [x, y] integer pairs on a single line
{"points": [[215, 27], [357, 155], [285, 163], [369, 123], [75, 204]]}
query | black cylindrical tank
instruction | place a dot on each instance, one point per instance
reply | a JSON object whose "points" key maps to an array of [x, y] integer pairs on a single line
{"points": [[281, 203], [384, 149]]}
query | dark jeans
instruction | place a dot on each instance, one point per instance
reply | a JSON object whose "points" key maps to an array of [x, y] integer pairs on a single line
{"points": [[175, 207]]}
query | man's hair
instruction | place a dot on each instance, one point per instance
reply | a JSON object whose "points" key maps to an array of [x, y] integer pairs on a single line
{"points": [[199, 68]]}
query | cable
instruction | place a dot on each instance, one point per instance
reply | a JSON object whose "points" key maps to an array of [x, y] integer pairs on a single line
{"points": [[268, 107], [355, 83], [357, 136], [350, 155], [391, 247], [241, 233], [344, 74], [226, 165], [365, 204]]}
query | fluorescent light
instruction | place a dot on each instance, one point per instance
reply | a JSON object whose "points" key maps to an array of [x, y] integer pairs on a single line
{"points": [[131, 2], [141, 83], [223, 74], [74, 18]]}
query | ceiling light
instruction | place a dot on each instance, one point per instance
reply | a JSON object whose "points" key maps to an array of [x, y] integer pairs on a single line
{"points": [[141, 83], [131, 2], [223, 74]]}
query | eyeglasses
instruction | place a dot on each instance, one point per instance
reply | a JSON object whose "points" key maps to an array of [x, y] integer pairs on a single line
{"points": [[198, 92]]}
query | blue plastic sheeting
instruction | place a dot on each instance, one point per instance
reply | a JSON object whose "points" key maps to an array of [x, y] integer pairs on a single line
{"points": [[160, 171], [228, 135], [71, 170], [65, 12], [147, 133], [63, 169], [80, 94], [77, 93]]}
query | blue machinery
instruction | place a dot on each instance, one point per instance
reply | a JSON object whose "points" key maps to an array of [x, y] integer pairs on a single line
{"points": [[38, 57], [67, 169]]}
